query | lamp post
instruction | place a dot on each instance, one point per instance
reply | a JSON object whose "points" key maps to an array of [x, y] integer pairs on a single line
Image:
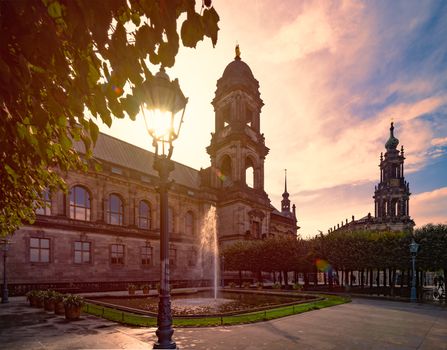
{"points": [[5, 243], [413, 250], [163, 108]]}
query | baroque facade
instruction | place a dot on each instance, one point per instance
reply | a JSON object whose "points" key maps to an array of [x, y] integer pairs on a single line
{"points": [[106, 228], [391, 195]]}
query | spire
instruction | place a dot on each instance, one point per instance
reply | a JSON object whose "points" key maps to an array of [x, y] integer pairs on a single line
{"points": [[285, 203], [238, 53]]}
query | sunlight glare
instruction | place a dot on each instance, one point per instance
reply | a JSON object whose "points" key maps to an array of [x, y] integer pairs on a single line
{"points": [[159, 124]]}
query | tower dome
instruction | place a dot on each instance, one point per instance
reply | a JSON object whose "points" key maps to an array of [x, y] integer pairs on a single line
{"points": [[238, 76], [392, 141]]}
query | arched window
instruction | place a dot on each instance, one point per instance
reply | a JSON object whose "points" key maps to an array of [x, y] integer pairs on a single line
{"points": [[249, 173], [144, 215], [171, 220], [79, 203], [115, 211], [46, 209], [189, 223]]}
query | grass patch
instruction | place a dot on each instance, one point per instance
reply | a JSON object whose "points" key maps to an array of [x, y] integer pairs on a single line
{"points": [[258, 316]]}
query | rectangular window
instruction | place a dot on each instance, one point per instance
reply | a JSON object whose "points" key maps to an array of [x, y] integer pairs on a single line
{"points": [[46, 209], [117, 254], [146, 256], [172, 257], [82, 252], [39, 250]]}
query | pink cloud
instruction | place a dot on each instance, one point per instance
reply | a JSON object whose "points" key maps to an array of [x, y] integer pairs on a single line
{"points": [[430, 207]]}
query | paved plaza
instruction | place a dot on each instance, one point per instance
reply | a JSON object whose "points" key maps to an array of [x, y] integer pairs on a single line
{"points": [[361, 324]]}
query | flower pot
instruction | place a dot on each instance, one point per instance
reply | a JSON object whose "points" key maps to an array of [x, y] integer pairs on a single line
{"points": [[32, 301], [49, 304], [39, 302], [132, 291], [72, 312], [145, 290], [59, 308]]}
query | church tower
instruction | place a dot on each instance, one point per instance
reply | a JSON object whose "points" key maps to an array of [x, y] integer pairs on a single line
{"points": [[285, 203], [391, 196], [237, 151]]}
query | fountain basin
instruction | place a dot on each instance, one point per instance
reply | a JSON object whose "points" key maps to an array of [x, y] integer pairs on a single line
{"points": [[203, 304]]}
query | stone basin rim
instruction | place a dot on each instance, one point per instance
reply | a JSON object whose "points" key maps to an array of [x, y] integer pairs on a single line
{"points": [[309, 298]]}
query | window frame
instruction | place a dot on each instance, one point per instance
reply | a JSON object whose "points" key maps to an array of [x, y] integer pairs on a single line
{"points": [[47, 208], [82, 262], [121, 258], [86, 207], [147, 218], [119, 213], [143, 259], [39, 249]]}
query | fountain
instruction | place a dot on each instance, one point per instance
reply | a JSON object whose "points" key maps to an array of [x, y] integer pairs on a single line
{"points": [[202, 302], [209, 246]]}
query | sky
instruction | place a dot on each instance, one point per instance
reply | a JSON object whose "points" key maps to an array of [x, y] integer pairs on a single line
{"points": [[332, 75]]}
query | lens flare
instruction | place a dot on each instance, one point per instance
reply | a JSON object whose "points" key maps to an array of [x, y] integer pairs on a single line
{"points": [[118, 91], [220, 175], [322, 265]]}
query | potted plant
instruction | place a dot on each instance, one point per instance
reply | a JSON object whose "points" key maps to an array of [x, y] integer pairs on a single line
{"points": [[40, 297], [73, 305], [59, 307], [246, 285], [146, 288], [31, 296], [49, 300], [259, 285], [131, 288], [232, 285]]}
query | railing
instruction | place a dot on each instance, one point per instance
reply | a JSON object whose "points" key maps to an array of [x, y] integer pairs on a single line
{"points": [[16, 289]]}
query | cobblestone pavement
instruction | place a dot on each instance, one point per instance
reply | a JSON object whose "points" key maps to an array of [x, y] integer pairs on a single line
{"points": [[362, 324]]}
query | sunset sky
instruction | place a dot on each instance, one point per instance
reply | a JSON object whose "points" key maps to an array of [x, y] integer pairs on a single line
{"points": [[332, 76]]}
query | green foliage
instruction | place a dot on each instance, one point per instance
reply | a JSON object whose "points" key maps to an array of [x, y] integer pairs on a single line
{"points": [[259, 316], [73, 300], [65, 64], [349, 251]]}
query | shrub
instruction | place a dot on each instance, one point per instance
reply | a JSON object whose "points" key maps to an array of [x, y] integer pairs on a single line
{"points": [[277, 286], [73, 300]]}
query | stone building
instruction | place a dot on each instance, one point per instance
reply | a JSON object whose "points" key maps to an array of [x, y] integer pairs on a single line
{"points": [[104, 232], [391, 195]]}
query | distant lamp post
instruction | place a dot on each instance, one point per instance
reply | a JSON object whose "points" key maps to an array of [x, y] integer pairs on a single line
{"points": [[413, 250], [5, 244], [163, 108]]}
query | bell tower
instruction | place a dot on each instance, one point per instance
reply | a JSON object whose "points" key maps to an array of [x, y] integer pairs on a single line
{"points": [[392, 194], [237, 151]]}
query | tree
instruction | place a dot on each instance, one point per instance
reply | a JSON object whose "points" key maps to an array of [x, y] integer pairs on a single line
{"points": [[64, 60]]}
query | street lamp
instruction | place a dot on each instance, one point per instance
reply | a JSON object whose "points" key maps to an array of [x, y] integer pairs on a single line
{"points": [[413, 250], [163, 108], [5, 243]]}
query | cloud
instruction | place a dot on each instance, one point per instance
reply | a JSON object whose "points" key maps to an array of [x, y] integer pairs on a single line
{"points": [[429, 207], [332, 75], [439, 141]]}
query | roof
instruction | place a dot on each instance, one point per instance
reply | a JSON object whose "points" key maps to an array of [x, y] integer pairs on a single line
{"points": [[238, 69], [121, 153]]}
